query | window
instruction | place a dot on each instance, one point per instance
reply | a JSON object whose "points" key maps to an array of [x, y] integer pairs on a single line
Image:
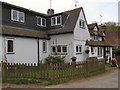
{"points": [[59, 49], [57, 20], [100, 51], [82, 24], [79, 49], [10, 46], [41, 21], [44, 46], [17, 16], [92, 50]]}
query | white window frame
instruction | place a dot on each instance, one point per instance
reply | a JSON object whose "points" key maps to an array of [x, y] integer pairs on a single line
{"points": [[7, 39], [44, 51], [79, 51], [18, 16], [61, 47], [41, 21], [52, 24], [82, 25]]}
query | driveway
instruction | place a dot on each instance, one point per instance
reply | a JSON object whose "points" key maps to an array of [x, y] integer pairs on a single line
{"points": [[107, 80]]}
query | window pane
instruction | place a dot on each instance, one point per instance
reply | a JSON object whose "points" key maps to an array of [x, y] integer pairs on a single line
{"points": [[80, 49], [14, 15], [53, 21], [58, 20], [76, 48], [21, 16], [53, 49], [64, 48], [80, 23], [38, 21], [58, 48], [83, 24], [10, 46], [44, 46], [43, 22]]}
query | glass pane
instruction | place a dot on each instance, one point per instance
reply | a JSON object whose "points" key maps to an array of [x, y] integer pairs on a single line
{"points": [[44, 46], [58, 48], [58, 20], [64, 48], [43, 22], [39, 21], [53, 49], [10, 46], [14, 15], [53, 21], [76, 48], [80, 49], [21, 16]]}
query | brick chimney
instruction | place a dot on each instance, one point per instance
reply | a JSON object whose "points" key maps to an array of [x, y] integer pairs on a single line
{"points": [[50, 12]]}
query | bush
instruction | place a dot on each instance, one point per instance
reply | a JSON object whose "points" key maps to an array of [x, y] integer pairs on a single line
{"points": [[117, 52], [54, 59]]}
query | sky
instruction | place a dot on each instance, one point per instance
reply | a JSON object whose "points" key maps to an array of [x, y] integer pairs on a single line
{"points": [[108, 9]]}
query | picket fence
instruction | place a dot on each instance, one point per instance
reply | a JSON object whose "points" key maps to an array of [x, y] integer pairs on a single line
{"points": [[53, 72]]}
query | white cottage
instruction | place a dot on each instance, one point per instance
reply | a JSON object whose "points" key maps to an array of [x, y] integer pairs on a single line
{"points": [[29, 37]]}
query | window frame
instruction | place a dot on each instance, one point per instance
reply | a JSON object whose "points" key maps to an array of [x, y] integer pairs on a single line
{"points": [[11, 39], [56, 22], [41, 21], [79, 51], [18, 19], [44, 47], [61, 49], [100, 52], [82, 23]]}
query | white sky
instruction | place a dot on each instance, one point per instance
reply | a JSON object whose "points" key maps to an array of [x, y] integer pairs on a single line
{"points": [[92, 8]]}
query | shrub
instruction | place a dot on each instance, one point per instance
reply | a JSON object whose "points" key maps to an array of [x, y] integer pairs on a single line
{"points": [[54, 59], [117, 52]]}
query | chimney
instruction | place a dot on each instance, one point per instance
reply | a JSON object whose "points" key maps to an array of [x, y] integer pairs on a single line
{"points": [[50, 12]]}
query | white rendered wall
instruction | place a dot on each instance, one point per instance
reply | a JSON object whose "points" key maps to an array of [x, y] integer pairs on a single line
{"points": [[25, 50], [80, 37], [64, 39]]}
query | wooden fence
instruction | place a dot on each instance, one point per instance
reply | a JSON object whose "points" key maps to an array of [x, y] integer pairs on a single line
{"points": [[54, 72]]}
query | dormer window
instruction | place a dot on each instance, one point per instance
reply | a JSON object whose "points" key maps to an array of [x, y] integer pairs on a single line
{"points": [[17, 16], [82, 23], [41, 21], [56, 20]]}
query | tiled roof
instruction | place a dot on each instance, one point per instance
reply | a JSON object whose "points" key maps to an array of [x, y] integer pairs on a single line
{"points": [[22, 32], [70, 22], [92, 26], [113, 37], [98, 43]]}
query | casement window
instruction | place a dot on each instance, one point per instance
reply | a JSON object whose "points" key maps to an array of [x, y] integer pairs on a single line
{"points": [[82, 23], [100, 51], [44, 46], [41, 21], [59, 49], [17, 16], [78, 48], [9, 46], [56, 20]]}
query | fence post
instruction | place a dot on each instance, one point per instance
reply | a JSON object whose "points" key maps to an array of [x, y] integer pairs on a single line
{"points": [[3, 70]]}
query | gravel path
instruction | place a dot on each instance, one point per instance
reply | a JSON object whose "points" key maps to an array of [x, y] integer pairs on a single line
{"points": [[107, 80]]}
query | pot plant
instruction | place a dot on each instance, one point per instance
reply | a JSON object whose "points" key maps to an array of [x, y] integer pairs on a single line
{"points": [[87, 51], [73, 59]]}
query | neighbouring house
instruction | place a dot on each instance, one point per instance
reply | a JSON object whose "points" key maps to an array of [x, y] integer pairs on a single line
{"points": [[113, 37], [29, 37]]}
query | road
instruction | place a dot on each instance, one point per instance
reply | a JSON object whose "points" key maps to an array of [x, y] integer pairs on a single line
{"points": [[107, 80]]}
